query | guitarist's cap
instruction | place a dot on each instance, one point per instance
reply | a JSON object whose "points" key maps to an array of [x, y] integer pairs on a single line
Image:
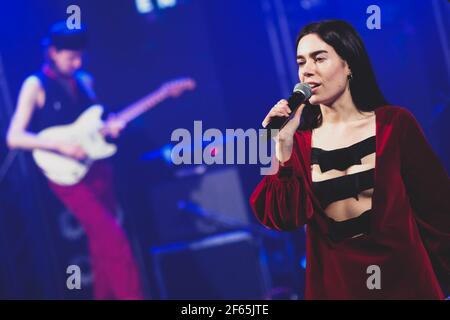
{"points": [[61, 37]]}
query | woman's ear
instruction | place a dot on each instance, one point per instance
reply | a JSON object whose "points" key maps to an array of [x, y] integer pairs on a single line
{"points": [[348, 71]]}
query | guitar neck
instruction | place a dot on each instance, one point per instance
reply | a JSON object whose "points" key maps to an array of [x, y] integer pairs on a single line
{"points": [[139, 107]]}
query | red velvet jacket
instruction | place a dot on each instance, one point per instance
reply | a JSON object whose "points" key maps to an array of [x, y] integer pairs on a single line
{"points": [[410, 226]]}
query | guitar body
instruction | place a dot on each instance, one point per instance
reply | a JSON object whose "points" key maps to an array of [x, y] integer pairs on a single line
{"points": [[85, 131]]}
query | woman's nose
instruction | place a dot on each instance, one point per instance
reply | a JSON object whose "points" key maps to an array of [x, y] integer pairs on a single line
{"points": [[307, 69]]}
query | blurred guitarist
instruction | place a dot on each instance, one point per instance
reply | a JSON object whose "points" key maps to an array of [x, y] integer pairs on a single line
{"points": [[56, 95]]}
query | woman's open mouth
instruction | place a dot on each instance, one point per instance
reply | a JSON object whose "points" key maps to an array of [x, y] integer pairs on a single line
{"points": [[314, 87]]}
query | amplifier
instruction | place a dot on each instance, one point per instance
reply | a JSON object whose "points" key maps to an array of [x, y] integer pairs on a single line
{"points": [[224, 266]]}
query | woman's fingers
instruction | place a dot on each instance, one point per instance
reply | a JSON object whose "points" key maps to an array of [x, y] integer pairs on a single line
{"points": [[290, 128], [281, 109], [298, 112], [279, 113]]}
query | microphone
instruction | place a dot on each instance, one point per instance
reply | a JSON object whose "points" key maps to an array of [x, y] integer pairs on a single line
{"points": [[300, 94]]}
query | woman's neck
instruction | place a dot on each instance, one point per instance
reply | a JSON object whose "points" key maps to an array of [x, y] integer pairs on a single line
{"points": [[342, 110]]}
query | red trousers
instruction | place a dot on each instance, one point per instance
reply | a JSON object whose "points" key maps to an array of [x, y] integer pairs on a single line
{"points": [[92, 201]]}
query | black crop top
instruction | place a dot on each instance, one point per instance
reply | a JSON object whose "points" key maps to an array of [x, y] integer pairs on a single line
{"points": [[348, 186]]}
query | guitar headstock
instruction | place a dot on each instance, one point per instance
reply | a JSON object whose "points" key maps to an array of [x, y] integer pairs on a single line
{"points": [[176, 87]]}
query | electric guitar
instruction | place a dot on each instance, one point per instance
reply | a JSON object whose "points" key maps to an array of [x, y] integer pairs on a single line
{"points": [[86, 131]]}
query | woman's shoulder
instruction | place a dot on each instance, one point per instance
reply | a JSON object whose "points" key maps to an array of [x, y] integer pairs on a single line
{"points": [[391, 113]]}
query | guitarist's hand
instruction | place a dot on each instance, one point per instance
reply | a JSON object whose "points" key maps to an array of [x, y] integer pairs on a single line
{"points": [[72, 150], [113, 126]]}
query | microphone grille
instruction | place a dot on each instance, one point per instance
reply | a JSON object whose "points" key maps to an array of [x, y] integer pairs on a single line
{"points": [[303, 88]]}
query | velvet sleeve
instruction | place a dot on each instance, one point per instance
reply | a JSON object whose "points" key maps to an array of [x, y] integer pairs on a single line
{"points": [[428, 188], [280, 201]]}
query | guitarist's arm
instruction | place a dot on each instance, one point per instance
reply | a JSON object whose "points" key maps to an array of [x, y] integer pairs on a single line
{"points": [[32, 96], [113, 124]]}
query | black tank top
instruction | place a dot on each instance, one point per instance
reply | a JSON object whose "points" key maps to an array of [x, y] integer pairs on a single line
{"points": [[65, 100]]}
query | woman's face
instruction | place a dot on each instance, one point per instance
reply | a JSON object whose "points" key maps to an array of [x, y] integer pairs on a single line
{"points": [[322, 68]]}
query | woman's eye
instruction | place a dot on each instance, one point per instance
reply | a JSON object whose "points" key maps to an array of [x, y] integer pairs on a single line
{"points": [[300, 63], [320, 59]]}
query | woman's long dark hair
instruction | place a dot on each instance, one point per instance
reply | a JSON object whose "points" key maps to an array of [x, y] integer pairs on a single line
{"points": [[364, 89]]}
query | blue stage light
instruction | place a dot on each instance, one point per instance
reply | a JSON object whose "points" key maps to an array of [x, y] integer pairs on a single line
{"points": [[162, 4], [303, 262], [147, 6], [166, 152], [144, 6], [162, 153]]}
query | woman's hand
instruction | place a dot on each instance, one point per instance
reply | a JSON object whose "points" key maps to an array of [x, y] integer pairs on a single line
{"points": [[285, 138]]}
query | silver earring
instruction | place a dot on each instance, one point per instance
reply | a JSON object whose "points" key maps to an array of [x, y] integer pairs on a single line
{"points": [[350, 77]]}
